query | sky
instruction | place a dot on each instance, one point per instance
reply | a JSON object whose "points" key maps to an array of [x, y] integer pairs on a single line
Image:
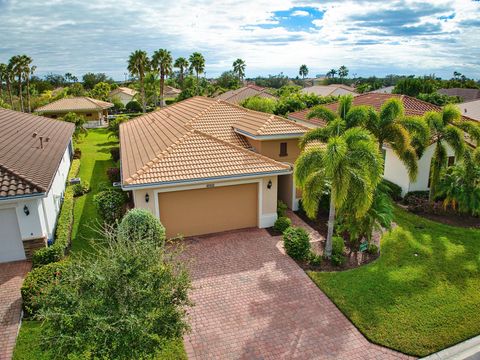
{"points": [[370, 37]]}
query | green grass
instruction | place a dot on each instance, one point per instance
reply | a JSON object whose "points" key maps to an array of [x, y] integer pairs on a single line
{"points": [[95, 161], [421, 295]]}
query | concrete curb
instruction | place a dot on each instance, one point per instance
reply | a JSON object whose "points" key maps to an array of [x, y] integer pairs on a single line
{"points": [[466, 349]]}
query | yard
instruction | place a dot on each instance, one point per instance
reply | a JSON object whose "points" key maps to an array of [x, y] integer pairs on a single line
{"points": [[421, 295], [95, 161]]}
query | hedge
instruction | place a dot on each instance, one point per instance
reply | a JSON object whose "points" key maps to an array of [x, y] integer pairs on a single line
{"points": [[63, 232]]}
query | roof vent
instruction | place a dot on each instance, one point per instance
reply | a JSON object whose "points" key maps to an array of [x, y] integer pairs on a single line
{"points": [[465, 110]]}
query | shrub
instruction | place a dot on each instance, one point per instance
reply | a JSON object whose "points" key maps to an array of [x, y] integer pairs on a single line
{"points": [[338, 260], [110, 204], [170, 101], [393, 190], [133, 106], [77, 153], [81, 188], [282, 224], [314, 259], [115, 153], [140, 224], [296, 242], [416, 194], [417, 201], [372, 249], [338, 245], [113, 174], [281, 209], [36, 282]]}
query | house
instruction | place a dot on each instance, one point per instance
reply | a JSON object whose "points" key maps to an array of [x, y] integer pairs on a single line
{"points": [[384, 90], [329, 90], [124, 94], [470, 109], [395, 170], [170, 91], [35, 155], [465, 94], [95, 111], [239, 95], [204, 165]]}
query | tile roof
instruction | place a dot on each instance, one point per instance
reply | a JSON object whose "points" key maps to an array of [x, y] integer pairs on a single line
{"points": [[239, 95], [384, 90], [74, 104], [412, 106], [171, 91], [329, 90], [125, 90], [470, 109], [157, 140], [465, 94], [25, 166]]}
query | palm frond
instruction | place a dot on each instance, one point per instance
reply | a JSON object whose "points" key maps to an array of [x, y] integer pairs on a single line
{"points": [[313, 189], [391, 110], [397, 137], [321, 112], [315, 135], [471, 128], [409, 158], [307, 163], [344, 105], [450, 114], [454, 137], [357, 116]]}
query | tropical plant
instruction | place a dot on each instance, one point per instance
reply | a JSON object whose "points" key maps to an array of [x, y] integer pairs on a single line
{"points": [[239, 68], [296, 242], [114, 125], [3, 75], [79, 122], [101, 91], [303, 71], [197, 63], [331, 74], [16, 64], [27, 73], [138, 65], [182, 64], [162, 63], [342, 72], [349, 163], [258, 103], [228, 80]]}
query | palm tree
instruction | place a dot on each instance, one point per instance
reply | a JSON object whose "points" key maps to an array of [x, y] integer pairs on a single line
{"points": [[197, 63], [17, 65], [27, 72], [239, 66], [348, 162], [331, 73], [182, 64], [303, 71], [389, 126], [162, 63], [343, 72], [447, 127], [8, 81], [3, 75], [138, 65]]}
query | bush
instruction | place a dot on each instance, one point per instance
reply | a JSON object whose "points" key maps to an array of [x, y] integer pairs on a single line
{"points": [[81, 188], [170, 101], [417, 201], [36, 282], [113, 174], [372, 249], [281, 209], [314, 259], [338, 245], [140, 224], [110, 204], [338, 260], [393, 190], [416, 194], [77, 153], [115, 153], [133, 106], [296, 242], [282, 224]]}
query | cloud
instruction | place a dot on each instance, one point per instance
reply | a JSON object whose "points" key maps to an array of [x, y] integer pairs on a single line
{"points": [[368, 36]]}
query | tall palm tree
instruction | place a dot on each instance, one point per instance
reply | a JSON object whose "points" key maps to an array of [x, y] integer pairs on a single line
{"points": [[3, 73], [182, 64], [406, 136], [348, 162], [17, 65], [239, 66], [8, 82], [27, 72], [303, 71], [447, 127], [138, 65], [331, 73], [162, 63], [197, 63], [342, 72]]}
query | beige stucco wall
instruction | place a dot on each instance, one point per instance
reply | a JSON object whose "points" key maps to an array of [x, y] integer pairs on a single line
{"points": [[271, 148], [94, 115]]}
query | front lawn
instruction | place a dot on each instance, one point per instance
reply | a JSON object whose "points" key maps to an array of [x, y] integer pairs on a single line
{"points": [[421, 295]]}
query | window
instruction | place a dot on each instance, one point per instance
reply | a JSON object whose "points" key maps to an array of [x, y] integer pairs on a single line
{"points": [[89, 114], [54, 116], [283, 149], [451, 161]]}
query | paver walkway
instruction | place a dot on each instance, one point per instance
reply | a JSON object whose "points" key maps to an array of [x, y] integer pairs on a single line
{"points": [[11, 279], [254, 302]]}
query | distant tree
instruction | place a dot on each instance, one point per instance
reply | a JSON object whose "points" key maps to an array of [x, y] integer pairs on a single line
{"points": [[17, 68], [55, 80], [413, 86], [182, 64], [76, 89], [68, 77], [342, 72], [79, 122], [138, 65], [197, 63], [91, 79], [331, 73], [28, 70], [303, 71], [162, 63], [3, 75], [439, 99], [239, 68], [258, 103], [228, 80], [272, 81], [100, 91], [9, 74]]}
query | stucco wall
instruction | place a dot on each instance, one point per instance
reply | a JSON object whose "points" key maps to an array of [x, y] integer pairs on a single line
{"points": [[94, 115], [271, 148]]}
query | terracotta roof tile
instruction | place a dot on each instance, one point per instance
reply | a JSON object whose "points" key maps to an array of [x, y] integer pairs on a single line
{"points": [[74, 104], [239, 95], [125, 90], [25, 166], [329, 90]]}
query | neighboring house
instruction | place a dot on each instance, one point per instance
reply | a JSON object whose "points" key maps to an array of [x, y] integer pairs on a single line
{"points": [[171, 92], [384, 90], [124, 94], [470, 109], [239, 95], [204, 165], [329, 90], [395, 170], [35, 155], [95, 111], [465, 94]]}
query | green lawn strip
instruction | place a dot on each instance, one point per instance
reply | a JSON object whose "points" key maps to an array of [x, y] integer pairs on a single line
{"points": [[423, 293]]}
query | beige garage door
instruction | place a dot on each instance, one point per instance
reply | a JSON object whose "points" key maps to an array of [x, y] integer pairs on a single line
{"points": [[206, 211]]}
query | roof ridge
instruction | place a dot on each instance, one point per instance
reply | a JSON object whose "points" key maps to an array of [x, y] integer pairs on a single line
{"points": [[196, 117], [23, 178]]}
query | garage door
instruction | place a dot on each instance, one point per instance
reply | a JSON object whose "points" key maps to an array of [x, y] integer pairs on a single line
{"points": [[11, 247], [206, 211]]}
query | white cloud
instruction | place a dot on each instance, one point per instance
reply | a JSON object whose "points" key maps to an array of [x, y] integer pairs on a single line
{"points": [[300, 13]]}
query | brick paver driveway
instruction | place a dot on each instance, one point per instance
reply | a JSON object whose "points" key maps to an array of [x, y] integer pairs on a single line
{"points": [[254, 302], [11, 278]]}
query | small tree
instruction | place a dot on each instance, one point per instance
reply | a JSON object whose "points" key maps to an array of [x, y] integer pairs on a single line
{"points": [[79, 122], [303, 71], [114, 125], [258, 103], [140, 224], [100, 91]]}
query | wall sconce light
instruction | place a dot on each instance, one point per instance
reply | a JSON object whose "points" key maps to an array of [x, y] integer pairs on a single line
{"points": [[147, 197], [26, 210], [269, 185]]}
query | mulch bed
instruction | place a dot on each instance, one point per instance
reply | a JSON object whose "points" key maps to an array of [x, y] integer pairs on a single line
{"points": [[453, 219]]}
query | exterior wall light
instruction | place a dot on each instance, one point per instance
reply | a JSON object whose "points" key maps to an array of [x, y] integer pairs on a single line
{"points": [[269, 185], [26, 210], [147, 197]]}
